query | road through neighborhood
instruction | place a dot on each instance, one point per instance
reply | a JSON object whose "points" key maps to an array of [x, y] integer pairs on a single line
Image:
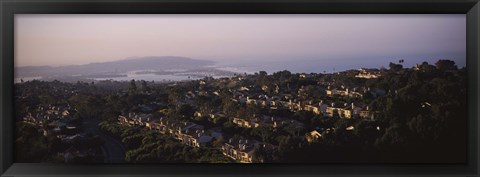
{"points": [[113, 150]]}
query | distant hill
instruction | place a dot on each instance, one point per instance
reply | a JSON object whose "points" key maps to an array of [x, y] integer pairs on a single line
{"points": [[154, 63]]}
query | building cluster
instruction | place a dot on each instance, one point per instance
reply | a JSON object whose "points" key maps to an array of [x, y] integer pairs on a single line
{"points": [[242, 149], [133, 119], [326, 108], [194, 135], [49, 113], [188, 133], [353, 92], [212, 117], [349, 111], [267, 121], [50, 118], [368, 73], [56, 120], [336, 101]]}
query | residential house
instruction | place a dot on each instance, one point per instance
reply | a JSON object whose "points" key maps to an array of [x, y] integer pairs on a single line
{"points": [[214, 117], [274, 104], [344, 111], [124, 120], [313, 136], [197, 114], [330, 91], [239, 149], [246, 123], [368, 74], [34, 120], [366, 113], [251, 101], [194, 137], [133, 119]]}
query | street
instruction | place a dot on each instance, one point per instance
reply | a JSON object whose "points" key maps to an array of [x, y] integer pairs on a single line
{"points": [[113, 150]]}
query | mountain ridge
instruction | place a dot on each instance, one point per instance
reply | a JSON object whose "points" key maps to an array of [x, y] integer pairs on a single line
{"points": [[155, 63]]}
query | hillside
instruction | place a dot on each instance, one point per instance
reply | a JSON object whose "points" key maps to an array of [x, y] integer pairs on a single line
{"points": [[152, 63]]}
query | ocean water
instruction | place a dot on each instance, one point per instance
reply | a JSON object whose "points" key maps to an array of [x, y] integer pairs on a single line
{"points": [[160, 78], [150, 77]]}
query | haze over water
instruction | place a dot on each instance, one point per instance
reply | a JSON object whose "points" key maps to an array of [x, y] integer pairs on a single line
{"points": [[246, 43]]}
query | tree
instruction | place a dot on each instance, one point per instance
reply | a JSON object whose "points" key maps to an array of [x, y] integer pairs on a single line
{"points": [[252, 110], [427, 67], [47, 99], [186, 111], [218, 142], [259, 154], [264, 133], [157, 115], [444, 65], [395, 67], [230, 108], [241, 113], [132, 87], [282, 75], [144, 86], [263, 73]]}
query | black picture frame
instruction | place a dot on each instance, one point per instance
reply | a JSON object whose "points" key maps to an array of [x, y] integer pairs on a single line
{"points": [[11, 7]]}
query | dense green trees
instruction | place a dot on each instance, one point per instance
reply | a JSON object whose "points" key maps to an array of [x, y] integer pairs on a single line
{"points": [[395, 67], [425, 114], [38, 145], [132, 87], [88, 106], [444, 65], [31, 145], [185, 111]]}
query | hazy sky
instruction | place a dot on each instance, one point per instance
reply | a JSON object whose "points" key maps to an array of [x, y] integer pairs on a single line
{"points": [[81, 39]]}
